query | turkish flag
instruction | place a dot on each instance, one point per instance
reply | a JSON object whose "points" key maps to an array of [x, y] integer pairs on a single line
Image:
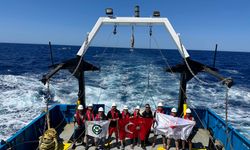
{"points": [[127, 128], [134, 127], [145, 126]]}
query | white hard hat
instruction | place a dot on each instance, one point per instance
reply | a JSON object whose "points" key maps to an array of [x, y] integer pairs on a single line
{"points": [[137, 107], [125, 107], [160, 104], [188, 111], [100, 109], [113, 104], [80, 107], [90, 105], [173, 110]]}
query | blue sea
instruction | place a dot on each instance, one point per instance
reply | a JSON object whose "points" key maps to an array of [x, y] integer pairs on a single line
{"points": [[131, 77]]}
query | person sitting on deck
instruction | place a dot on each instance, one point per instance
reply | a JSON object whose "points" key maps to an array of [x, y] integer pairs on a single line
{"points": [[113, 115], [147, 113], [174, 114], [79, 125], [100, 116], [188, 116], [89, 116], [125, 115], [136, 114], [159, 110]]}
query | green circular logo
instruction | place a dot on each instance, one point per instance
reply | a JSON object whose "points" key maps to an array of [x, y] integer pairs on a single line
{"points": [[97, 129]]}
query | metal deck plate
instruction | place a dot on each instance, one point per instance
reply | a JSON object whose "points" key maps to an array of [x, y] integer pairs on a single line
{"points": [[200, 140]]}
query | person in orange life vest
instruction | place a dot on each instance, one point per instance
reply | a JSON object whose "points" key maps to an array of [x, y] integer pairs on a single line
{"points": [[79, 121], [159, 110], [174, 114], [188, 116], [136, 114], [125, 115], [89, 116], [99, 143], [100, 115], [147, 113], [113, 116]]}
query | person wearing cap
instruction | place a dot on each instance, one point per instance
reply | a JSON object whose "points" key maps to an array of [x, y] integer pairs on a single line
{"points": [[113, 115], [174, 114], [79, 125], [136, 114], [147, 113], [100, 116], [188, 116], [159, 110], [89, 116], [125, 115]]}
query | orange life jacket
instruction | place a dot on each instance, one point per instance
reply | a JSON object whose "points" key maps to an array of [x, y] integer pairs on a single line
{"points": [[188, 118], [125, 116], [114, 114], [89, 115], [80, 120], [160, 111], [136, 115]]}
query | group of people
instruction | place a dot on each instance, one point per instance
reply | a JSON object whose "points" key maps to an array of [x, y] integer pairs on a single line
{"points": [[113, 116]]}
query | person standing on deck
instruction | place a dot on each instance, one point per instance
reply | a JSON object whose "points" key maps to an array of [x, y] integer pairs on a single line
{"points": [[79, 124], [125, 115], [135, 140], [100, 116], [174, 114], [159, 110], [188, 116], [147, 113], [89, 116], [113, 116]]}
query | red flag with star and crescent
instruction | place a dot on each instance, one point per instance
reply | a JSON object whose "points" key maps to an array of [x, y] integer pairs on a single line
{"points": [[134, 127]]}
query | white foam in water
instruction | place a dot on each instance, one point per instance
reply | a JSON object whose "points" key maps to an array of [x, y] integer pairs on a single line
{"points": [[22, 96]]}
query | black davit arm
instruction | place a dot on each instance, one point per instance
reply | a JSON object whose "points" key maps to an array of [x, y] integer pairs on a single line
{"points": [[186, 75], [71, 65]]}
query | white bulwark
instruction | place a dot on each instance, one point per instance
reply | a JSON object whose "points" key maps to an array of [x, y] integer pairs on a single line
{"points": [[138, 21]]}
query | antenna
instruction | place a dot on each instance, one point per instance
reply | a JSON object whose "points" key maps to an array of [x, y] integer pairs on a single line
{"points": [[51, 54], [215, 52]]}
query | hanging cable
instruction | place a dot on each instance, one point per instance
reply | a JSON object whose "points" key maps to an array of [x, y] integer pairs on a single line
{"points": [[114, 31], [191, 71], [132, 40]]}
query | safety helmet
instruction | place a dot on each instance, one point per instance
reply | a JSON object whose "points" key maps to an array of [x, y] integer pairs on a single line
{"points": [[173, 110], [80, 107], [188, 111], [100, 109], [125, 107], [113, 104], [137, 107], [160, 104], [90, 105]]}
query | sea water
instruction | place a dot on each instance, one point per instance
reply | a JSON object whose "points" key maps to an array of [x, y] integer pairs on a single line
{"points": [[126, 77]]}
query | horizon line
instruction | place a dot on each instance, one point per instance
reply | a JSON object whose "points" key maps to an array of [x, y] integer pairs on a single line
{"points": [[126, 47]]}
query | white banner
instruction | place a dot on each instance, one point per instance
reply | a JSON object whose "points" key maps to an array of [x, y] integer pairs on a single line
{"points": [[173, 127], [97, 129]]}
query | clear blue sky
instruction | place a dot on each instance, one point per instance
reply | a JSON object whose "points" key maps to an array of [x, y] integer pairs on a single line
{"points": [[202, 23]]}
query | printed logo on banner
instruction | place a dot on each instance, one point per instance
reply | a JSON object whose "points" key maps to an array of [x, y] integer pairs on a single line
{"points": [[97, 129]]}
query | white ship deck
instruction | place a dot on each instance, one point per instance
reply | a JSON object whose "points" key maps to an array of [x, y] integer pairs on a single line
{"points": [[200, 140]]}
